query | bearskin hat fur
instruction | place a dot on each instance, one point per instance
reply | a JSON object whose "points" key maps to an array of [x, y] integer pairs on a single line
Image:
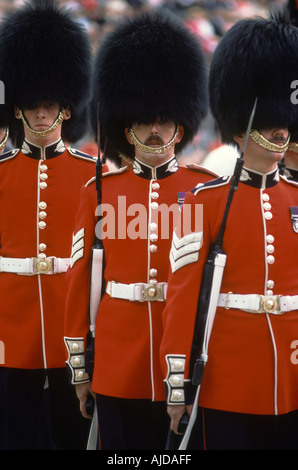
{"points": [[149, 66], [45, 54], [256, 58]]}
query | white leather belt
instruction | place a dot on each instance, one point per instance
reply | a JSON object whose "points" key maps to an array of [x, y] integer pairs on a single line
{"points": [[254, 303], [139, 292], [31, 266]]}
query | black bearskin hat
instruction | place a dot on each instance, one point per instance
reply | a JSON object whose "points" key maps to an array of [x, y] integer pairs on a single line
{"points": [[45, 54], [256, 58], [289, 12], [149, 66], [292, 9]]}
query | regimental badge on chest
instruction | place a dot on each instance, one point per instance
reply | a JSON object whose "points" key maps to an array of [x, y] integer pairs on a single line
{"points": [[181, 197], [294, 217]]}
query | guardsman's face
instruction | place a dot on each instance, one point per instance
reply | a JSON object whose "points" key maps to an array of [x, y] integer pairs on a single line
{"points": [[40, 119], [155, 135], [43, 116]]}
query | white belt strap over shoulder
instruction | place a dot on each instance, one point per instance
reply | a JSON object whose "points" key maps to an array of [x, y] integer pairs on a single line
{"points": [[139, 292], [254, 303], [32, 266]]}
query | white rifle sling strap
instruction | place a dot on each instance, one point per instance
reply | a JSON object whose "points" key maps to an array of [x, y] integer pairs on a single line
{"points": [[219, 263], [96, 285], [93, 435]]}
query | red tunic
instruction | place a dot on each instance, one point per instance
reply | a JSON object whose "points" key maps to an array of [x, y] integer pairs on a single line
{"points": [[39, 197], [250, 367], [128, 333]]}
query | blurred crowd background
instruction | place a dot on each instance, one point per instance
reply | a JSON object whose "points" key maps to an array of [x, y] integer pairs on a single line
{"points": [[208, 19]]}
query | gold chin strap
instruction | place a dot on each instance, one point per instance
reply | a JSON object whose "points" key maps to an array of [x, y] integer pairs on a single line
{"points": [[293, 146], [4, 140], [147, 148], [48, 131], [260, 140]]}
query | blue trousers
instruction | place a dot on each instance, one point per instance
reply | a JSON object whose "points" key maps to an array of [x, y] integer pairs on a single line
{"points": [[126, 424], [34, 418]]}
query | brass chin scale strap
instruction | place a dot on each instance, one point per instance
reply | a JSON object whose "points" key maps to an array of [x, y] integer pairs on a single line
{"points": [[147, 148], [4, 140], [48, 131], [293, 146], [260, 140]]}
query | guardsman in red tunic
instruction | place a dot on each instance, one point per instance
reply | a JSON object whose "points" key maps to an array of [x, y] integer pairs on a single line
{"points": [[248, 394], [151, 86], [45, 64]]}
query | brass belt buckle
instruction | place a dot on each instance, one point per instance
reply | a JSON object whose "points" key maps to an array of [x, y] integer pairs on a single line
{"points": [[153, 293], [270, 304], [43, 266]]}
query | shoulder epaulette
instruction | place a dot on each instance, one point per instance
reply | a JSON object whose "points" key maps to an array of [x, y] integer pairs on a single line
{"points": [[292, 182], [201, 169], [8, 155], [221, 181], [108, 173], [79, 154]]}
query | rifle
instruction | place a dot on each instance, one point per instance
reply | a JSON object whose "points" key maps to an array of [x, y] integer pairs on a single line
{"points": [[97, 264], [96, 292], [209, 291]]}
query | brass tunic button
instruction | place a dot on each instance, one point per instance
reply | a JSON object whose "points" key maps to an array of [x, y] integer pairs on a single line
{"points": [[43, 176], [177, 380], [177, 395], [270, 239], [42, 205], [178, 365], [267, 206], [43, 185], [42, 247], [153, 237], [42, 225], [74, 347], [42, 215], [268, 215], [270, 284], [153, 226], [77, 361], [153, 272]]}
